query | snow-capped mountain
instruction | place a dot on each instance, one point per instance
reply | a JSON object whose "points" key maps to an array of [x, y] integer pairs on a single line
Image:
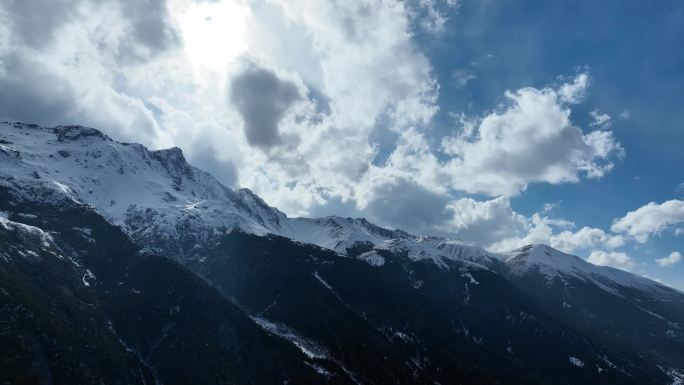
{"points": [[169, 206], [158, 195], [556, 265], [124, 180], [88, 224]]}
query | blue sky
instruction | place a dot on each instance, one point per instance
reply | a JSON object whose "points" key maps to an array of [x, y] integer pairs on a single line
{"points": [[632, 49], [497, 121]]}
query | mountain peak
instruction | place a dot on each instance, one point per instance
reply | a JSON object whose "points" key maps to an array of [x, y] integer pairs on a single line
{"points": [[171, 153], [542, 254], [249, 198], [249, 194], [553, 264], [174, 162], [77, 132], [267, 216]]}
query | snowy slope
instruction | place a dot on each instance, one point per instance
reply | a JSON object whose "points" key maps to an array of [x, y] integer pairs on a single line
{"points": [[340, 234], [121, 179], [158, 195], [555, 264], [163, 202]]}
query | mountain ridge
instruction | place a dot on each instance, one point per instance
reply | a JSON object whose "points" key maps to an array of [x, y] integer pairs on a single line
{"points": [[157, 194]]}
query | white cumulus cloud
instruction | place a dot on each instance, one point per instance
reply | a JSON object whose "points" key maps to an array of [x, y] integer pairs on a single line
{"points": [[530, 140], [650, 219], [613, 259], [600, 120], [672, 259], [586, 238], [497, 226]]}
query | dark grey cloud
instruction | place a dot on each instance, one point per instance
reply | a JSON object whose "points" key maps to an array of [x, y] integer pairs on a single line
{"points": [[31, 94], [35, 21], [262, 99], [151, 28], [409, 206], [150, 22], [36, 24]]}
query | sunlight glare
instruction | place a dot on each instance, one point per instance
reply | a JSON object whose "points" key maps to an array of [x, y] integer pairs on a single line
{"points": [[214, 33]]}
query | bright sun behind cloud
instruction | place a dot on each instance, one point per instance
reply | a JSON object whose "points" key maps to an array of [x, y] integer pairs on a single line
{"points": [[214, 33]]}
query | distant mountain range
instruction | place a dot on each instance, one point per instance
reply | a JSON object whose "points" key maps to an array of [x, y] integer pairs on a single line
{"points": [[123, 265]]}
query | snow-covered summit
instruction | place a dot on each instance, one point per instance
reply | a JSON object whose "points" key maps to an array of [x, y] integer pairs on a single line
{"points": [[121, 180], [555, 264], [342, 234]]}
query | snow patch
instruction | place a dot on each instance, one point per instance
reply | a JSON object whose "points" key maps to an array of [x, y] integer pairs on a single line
{"points": [[466, 274], [372, 258], [403, 336], [88, 277], [322, 281], [656, 315], [576, 361], [608, 362], [308, 347], [43, 237], [318, 369], [676, 375]]}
